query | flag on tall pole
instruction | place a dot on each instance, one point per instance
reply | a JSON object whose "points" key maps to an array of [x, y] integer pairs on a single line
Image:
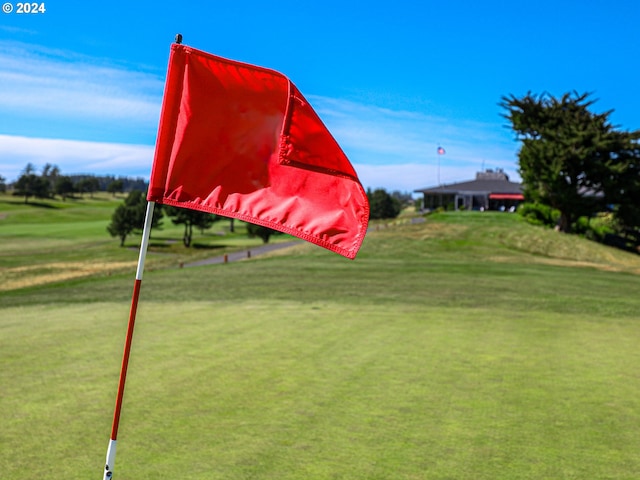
{"points": [[440, 152], [241, 141]]}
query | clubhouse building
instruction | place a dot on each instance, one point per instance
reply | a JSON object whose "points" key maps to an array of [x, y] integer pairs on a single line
{"points": [[491, 190]]}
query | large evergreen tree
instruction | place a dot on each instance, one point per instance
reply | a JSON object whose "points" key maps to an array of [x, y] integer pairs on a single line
{"points": [[571, 159], [621, 183]]}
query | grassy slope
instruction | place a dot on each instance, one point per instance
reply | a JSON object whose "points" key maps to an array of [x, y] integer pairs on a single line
{"points": [[51, 241], [470, 346]]}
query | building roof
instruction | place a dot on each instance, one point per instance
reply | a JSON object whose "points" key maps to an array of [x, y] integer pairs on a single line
{"points": [[486, 182]]}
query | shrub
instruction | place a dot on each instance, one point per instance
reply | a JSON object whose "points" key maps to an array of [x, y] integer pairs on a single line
{"points": [[539, 214], [596, 228]]}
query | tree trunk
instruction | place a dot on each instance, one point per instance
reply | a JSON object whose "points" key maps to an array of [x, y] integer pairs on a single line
{"points": [[188, 232], [564, 224]]}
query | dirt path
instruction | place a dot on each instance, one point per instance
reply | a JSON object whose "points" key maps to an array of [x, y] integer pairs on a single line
{"points": [[235, 256]]}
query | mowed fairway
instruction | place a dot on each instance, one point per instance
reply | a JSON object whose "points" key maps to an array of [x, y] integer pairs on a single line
{"points": [[470, 346]]}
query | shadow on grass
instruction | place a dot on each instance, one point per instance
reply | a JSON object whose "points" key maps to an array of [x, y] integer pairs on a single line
{"points": [[159, 245], [98, 199], [201, 246], [167, 240], [35, 204], [165, 244]]}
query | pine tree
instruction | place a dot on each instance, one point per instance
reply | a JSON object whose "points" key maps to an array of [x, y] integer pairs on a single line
{"points": [[571, 159]]}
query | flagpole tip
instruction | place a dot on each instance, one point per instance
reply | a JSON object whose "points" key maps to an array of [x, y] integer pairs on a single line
{"points": [[178, 38]]}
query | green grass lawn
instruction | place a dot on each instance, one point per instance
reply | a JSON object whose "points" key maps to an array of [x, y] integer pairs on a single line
{"points": [[470, 346]]}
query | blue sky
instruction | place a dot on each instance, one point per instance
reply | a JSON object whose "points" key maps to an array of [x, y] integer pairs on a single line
{"points": [[81, 85]]}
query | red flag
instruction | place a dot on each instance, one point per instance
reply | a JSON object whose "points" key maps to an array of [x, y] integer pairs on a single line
{"points": [[241, 141]]}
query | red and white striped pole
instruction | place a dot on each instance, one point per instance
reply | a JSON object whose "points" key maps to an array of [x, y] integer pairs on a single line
{"points": [[111, 450]]}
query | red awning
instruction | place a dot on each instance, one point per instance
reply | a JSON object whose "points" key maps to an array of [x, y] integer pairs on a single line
{"points": [[506, 196]]}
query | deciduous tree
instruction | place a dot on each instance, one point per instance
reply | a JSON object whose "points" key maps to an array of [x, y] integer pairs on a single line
{"points": [[116, 186], [264, 233], [31, 185], [123, 222], [129, 216], [382, 205], [64, 187], [190, 219], [89, 185]]}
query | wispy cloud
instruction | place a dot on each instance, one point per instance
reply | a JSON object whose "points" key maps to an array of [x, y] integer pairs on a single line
{"points": [[12, 29], [41, 82], [74, 157], [398, 149]]}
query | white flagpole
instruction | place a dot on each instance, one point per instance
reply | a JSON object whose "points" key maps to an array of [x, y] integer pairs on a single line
{"points": [[111, 450]]}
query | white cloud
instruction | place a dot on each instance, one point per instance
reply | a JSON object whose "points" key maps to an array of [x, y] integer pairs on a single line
{"points": [[38, 81], [397, 150], [407, 177], [74, 157]]}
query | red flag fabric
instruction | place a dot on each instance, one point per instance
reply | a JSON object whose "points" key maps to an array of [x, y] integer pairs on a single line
{"points": [[241, 141]]}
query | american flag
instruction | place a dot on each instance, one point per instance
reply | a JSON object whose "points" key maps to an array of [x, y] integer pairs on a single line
{"points": [[440, 151]]}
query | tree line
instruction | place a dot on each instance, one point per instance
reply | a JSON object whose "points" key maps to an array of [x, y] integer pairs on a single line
{"points": [[51, 183]]}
